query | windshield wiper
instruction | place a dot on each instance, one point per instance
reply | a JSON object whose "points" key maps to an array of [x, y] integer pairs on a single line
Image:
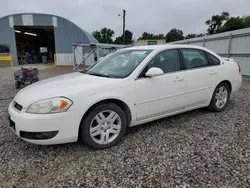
{"points": [[101, 75]]}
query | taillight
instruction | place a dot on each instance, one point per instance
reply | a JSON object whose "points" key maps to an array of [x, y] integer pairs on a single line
{"points": [[239, 67]]}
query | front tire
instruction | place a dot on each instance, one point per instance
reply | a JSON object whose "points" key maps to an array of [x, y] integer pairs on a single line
{"points": [[220, 98], [103, 126]]}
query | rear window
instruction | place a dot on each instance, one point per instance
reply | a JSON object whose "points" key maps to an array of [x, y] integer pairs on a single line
{"points": [[4, 49], [214, 60]]}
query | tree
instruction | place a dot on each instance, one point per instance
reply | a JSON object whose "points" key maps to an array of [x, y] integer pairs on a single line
{"points": [[151, 36], [215, 23], [174, 35], [161, 36], [104, 36], [234, 23], [189, 36], [118, 40], [97, 35], [128, 38], [246, 21], [200, 35], [146, 35]]}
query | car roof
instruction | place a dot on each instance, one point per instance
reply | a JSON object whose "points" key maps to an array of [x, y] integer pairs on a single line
{"points": [[165, 46]]}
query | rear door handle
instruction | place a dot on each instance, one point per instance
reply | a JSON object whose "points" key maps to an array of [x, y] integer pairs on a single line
{"points": [[212, 73], [178, 79]]}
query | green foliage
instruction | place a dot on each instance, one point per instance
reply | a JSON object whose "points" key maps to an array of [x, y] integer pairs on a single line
{"points": [[215, 22], [97, 35], [118, 40], [104, 36], [174, 35], [222, 23], [128, 38], [232, 24], [189, 36], [246, 21], [150, 36], [200, 35]]}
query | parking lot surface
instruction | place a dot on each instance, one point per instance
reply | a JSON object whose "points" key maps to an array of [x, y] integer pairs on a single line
{"points": [[193, 149]]}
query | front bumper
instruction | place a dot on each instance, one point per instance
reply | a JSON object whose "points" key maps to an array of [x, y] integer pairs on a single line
{"points": [[44, 129]]}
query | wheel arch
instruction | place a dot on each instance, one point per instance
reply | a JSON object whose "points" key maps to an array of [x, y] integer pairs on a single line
{"points": [[118, 102], [210, 106], [226, 82]]}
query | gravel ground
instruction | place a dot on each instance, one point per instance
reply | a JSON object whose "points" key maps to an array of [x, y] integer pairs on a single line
{"points": [[194, 149]]}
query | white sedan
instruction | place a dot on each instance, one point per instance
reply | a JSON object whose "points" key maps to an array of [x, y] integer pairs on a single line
{"points": [[129, 87]]}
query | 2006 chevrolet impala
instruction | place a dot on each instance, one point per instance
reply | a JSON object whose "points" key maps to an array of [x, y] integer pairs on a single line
{"points": [[129, 87]]}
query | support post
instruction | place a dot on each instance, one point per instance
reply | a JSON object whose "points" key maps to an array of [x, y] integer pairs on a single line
{"points": [[229, 45], [54, 60], [11, 60], [97, 53], [74, 56]]}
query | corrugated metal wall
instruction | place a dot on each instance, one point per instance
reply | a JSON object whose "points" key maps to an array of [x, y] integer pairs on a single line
{"points": [[233, 44], [7, 37], [66, 33]]}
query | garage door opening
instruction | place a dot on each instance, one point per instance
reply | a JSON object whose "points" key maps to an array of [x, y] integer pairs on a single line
{"points": [[35, 44]]}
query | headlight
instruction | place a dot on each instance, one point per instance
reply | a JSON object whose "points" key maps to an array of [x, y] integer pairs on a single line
{"points": [[48, 106]]}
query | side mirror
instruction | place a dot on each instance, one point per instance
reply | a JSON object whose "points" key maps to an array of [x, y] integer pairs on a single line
{"points": [[154, 71]]}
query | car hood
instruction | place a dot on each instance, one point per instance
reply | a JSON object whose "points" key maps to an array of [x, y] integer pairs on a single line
{"points": [[59, 86]]}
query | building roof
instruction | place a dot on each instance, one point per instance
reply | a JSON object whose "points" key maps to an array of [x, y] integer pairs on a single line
{"points": [[91, 38]]}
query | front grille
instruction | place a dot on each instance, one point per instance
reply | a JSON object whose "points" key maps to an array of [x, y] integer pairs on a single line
{"points": [[18, 106]]}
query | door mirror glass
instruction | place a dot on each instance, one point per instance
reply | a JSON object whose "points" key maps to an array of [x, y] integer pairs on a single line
{"points": [[154, 71]]}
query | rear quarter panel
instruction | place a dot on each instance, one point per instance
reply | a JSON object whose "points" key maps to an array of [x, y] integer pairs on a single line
{"points": [[229, 70]]}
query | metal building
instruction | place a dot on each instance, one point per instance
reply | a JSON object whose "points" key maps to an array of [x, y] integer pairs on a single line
{"points": [[141, 42], [59, 32], [232, 44]]}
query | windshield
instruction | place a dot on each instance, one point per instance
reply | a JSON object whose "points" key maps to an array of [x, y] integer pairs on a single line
{"points": [[119, 64]]}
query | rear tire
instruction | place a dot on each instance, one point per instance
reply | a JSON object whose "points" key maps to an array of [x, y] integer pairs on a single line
{"points": [[103, 126], [220, 98]]}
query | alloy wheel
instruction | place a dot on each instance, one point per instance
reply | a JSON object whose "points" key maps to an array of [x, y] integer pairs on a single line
{"points": [[221, 97], [105, 127]]}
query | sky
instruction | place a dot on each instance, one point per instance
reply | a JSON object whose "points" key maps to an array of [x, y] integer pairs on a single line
{"points": [[155, 16]]}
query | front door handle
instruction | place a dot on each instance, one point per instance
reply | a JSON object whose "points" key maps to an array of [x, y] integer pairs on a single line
{"points": [[178, 79]]}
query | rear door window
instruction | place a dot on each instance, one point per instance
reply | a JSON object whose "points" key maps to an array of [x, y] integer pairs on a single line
{"points": [[194, 58]]}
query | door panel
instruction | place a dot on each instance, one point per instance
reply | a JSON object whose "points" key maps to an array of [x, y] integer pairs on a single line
{"points": [[160, 95], [200, 77], [199, 86]]}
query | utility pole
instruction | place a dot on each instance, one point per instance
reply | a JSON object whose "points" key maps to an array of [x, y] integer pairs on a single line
{"points": [[124, 14], [123, 28]]}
